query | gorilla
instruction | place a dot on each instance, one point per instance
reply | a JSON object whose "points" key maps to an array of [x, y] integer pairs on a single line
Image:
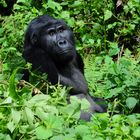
{"points": [[49, 46]]}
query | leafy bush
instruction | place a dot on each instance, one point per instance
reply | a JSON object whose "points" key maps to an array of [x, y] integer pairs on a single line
{"points": [[46, 116], [109, 31], [118, 81]]}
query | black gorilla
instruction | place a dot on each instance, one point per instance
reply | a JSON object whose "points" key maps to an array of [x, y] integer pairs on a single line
{"points": [[50, 47]]}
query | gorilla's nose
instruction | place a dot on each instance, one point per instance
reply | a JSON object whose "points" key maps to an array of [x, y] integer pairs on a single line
{"points": [[62, 43]]}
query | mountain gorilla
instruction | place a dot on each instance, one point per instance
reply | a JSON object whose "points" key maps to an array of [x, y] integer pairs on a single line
{"points": [[50, 47]]}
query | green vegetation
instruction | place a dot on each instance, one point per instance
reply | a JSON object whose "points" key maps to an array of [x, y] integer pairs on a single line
{"points": [[108, 37]]}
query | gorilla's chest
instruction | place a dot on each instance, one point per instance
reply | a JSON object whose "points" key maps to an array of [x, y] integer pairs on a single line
{"points": [[72, 73], [71, 76]]}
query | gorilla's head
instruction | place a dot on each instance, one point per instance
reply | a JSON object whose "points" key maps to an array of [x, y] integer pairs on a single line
{"points": [[53, 36]]}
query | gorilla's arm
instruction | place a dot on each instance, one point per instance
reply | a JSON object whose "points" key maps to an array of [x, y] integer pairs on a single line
{"points": [[71, 76], [76, 88], [79, 62], [41, 62]]}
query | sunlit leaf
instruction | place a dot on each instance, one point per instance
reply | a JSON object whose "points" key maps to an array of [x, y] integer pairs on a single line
{"points": [[107, 15], [16, 116], [87, 137], [41, 113], [65, 14], [136, 132], [77, 3], [114, 49], [54, 5], [54, 122], [12, 86], [43, 133], [11, 126], [82, 130], [131, 102], [29, 115]]}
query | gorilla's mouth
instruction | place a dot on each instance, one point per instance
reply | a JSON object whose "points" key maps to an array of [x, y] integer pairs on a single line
{"points": [[65, 55], [66, 51]]}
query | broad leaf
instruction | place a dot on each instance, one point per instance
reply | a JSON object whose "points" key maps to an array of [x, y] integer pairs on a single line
{"points": [[137, 132], [29, 115], [131, 102], [43, 133], [107, 15], [12, 87]]}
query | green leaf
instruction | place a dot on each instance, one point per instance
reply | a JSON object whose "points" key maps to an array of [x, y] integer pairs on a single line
{"points": [[54, 122], [114, 49], [131, 102], [136, 132], [41, 113], [76, 3], [65, 14], [73, 109], [125, 129], [21, 1], [1, 31], [11, 126], [39, 98], [61, 137], [7, 137], [80, 23], [24, 3], [84, 104], [82, 130], [43, 133], [107, 15], [132, 119], [98, 138], [54, 5], [3, 3], [29, 115], [87, 137], [111, 26], [12, 87], [16, 116], [71, 21], [91, 41], [115, 92]]}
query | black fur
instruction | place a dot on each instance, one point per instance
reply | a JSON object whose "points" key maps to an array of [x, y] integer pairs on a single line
{"points": [[50, 46]]}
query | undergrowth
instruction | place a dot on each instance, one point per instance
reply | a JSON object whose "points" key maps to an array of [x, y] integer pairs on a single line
{"points": [[107, 35]]}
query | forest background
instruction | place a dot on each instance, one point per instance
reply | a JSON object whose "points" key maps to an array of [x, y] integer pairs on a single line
{"points": [[107, 36]]}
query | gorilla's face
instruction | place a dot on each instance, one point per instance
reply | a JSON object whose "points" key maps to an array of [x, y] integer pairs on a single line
{"points": [[57, 40]]}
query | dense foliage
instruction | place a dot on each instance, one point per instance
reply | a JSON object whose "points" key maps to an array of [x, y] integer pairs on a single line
{"points": [[108, 37]]}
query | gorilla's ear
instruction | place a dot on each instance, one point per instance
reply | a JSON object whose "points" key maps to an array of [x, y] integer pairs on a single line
{"points": [[33, 39]]}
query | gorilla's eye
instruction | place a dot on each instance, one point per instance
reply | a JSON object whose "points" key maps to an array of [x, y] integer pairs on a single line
{"points": [[51, 33], [60, 29]]}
